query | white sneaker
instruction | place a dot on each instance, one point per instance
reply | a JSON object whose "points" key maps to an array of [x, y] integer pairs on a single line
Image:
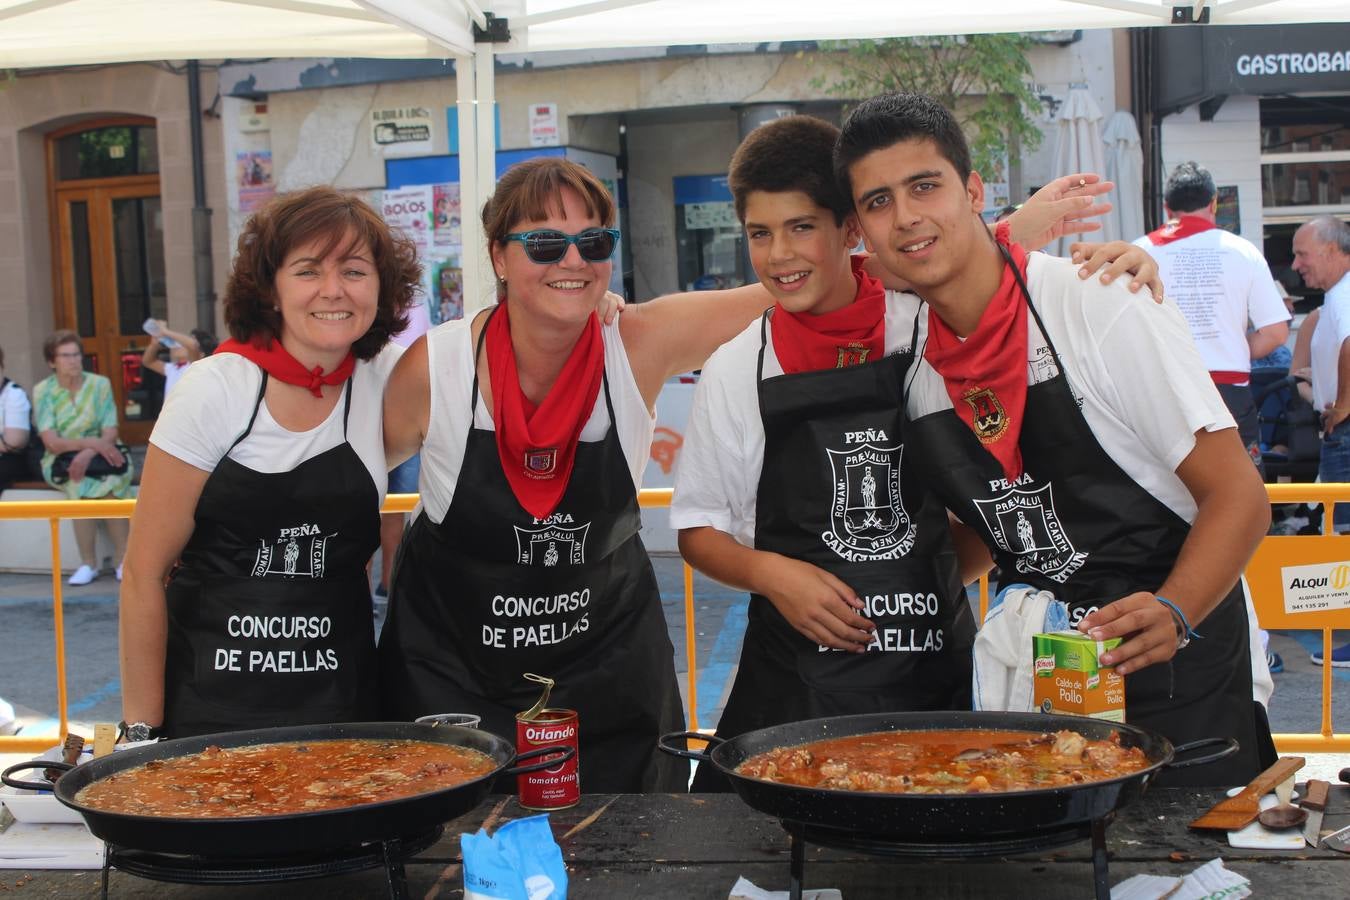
{"points": [[119, 573], [83, 575]]}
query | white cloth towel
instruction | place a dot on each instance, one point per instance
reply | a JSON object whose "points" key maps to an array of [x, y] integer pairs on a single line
{"points": [[1003, 677]]}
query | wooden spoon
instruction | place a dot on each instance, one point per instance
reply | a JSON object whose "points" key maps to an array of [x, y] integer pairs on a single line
{"points": [[1284, 814]]}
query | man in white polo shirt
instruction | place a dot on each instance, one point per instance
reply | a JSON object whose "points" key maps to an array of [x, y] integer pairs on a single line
{"points": [[1223, 287], [1322, 257]]}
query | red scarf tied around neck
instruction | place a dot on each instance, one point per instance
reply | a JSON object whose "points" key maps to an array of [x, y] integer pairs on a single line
{"points": [[278, 363], [1182, 226], [986, 374], [848, 336], [538, 445]]}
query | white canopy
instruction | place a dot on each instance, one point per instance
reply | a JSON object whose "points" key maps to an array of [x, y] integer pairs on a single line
{"points": [[75, 32], [573, 24], [80, 32]]}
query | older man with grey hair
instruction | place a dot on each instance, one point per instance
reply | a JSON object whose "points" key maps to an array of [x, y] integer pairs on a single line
{"points": [[1322, 257]]}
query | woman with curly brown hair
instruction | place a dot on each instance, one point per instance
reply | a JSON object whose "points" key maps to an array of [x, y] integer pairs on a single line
{"points": [[259, 502]]}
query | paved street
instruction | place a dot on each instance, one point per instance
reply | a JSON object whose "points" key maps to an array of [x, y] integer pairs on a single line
{"points": [[27, 672]]}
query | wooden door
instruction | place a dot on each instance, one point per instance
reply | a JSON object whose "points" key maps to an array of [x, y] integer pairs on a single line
{"points": [[109, 258]]}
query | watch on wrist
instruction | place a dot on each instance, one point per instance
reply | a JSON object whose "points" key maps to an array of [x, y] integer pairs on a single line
{"points": [[138, 731]]}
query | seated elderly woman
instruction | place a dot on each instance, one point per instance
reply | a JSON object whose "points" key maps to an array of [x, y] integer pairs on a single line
{"points": [[260, 500], [77, 419]]}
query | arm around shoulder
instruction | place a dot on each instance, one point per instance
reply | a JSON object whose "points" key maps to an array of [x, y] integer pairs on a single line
{"points": [[407, 404], [678, 332]]}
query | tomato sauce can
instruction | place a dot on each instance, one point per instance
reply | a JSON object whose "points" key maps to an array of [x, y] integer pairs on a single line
{"points": [[556, 787]]}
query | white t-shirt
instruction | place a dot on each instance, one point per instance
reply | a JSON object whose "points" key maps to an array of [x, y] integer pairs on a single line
{"points": [[14, 408], [1333, 327], [450, 355], [717, 476], [212, 403], [1132, 366], [1221, 283]]}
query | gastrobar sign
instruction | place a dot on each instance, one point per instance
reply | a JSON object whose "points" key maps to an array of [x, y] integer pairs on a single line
{"points": [[1293, 63], [1278, 58]]}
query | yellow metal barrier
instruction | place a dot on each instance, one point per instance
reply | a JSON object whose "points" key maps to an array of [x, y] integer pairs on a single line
{"points": [[1266, 579], [1263, 575]]}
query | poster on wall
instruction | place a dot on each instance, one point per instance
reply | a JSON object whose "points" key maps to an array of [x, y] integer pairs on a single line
{"points": [[402, 131], [409, 210], [445, 222], [1228, 215], [544, 125], [253, 179], [429, 215], [447, 295], [710, 215]]}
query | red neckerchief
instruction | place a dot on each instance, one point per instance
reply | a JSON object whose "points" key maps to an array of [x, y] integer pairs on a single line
{"points": [[277, 362], [986, 374], [847, 336], [538, 446], [1178, 228]]}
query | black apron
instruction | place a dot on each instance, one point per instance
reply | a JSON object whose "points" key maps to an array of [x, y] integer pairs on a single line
{"points": [[1076, 525], [836, 491], [491, 593], [269, 609]]}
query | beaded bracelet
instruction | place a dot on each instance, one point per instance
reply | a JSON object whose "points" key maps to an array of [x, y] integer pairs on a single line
{"points": [[1184, 630]]}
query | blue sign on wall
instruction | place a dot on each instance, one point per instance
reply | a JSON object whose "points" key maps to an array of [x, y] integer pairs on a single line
{"points": [[701, 189]]}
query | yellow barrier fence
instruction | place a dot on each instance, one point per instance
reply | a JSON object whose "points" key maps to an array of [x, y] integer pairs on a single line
{"points": [[1265, 575]]}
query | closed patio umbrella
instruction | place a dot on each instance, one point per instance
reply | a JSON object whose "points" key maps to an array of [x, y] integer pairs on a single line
{"points": [[1078, 143], [1124, 166]]}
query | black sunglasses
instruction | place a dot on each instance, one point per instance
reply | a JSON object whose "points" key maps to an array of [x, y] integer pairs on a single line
{"points": [[548, 245]]}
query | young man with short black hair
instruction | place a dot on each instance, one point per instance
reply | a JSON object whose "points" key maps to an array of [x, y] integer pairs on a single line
{"points": [[1076, 429]]}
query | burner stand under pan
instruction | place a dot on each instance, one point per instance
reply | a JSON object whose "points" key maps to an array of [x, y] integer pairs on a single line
{"points": [[210, 870], [802, 833]]}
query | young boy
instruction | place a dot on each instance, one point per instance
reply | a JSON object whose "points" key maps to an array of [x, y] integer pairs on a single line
{"points": [[794, 482], [1084, 441]]}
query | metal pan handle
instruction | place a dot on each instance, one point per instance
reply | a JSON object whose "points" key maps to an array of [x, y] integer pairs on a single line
{"points": [[1229, 747], [33, 764], [668, 744], [556, 757]]}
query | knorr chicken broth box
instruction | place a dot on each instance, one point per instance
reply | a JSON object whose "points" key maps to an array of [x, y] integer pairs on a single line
{"points": [[1070, 679]]}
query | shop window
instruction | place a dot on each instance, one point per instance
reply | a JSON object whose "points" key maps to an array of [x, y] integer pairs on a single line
{"points": [[1305, 158], [1320, 184], [108, 152]]}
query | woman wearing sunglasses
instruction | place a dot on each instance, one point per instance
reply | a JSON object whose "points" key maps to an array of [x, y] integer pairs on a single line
{"points": [[535, 422]]}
